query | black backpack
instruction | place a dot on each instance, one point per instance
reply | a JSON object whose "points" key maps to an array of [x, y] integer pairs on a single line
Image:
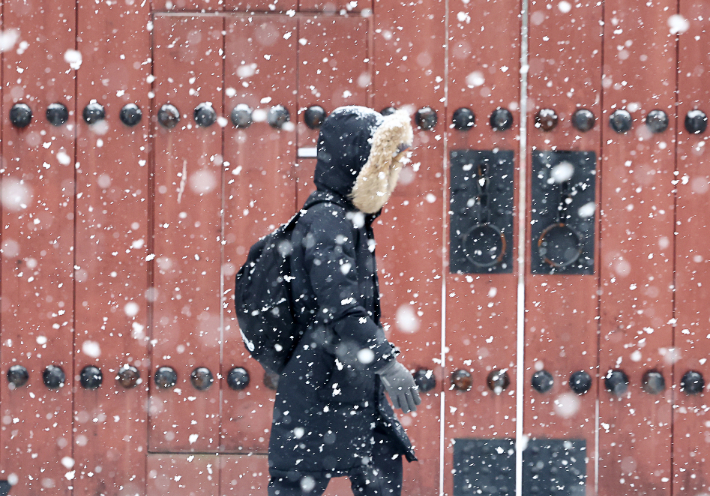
{"points": [[263, 301]]}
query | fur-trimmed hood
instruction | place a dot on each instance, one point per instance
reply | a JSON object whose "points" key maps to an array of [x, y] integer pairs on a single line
{"points": [[359, 155]]}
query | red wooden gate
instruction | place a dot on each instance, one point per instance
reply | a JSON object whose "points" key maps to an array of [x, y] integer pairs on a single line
{"points": [[542, 260]]}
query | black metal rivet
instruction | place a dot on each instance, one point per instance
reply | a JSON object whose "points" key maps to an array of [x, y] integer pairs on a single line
{"points": [[165, 377], [616, 382], [241, 116], [128, 376], [20, 115], [93, 113], [238, 378], [201, 378], [277, 116], [462, 380], [546, 119], [426, 118], [91, 377], [57, 114], [692, 382], [314, 116], [168, 116], [620, 121], [388, 111], [53, 377], [271, 380], [501, 119], [498, 381], [205, 115], [657, 121], [425, 380], [542, 381], [653, 382], [17, 376], [696, 122], [580, 382], [463, 119], [130, 114], [583, 120]]}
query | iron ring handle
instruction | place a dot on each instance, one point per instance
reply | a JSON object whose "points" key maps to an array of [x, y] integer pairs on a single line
{"points": [[481, 226], [577, 242]]}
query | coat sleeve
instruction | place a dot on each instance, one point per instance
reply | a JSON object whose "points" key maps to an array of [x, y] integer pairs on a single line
{"points": [[330, 262]]}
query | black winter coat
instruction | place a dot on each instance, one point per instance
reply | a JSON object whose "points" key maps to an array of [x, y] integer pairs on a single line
{"points": [[329, 399]]}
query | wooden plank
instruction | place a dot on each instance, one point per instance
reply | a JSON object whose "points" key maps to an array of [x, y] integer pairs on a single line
{"points": [[408, 58], [259, 195], [38, 238], [691, 457], [188, 202], [561, 309], [637, 210], [111, 248]]}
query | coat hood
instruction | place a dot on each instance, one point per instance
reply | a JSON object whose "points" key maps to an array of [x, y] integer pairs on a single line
{"points": [[359, 155]]}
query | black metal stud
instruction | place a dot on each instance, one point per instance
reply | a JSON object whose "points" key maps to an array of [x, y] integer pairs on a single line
{"points": [[616, 382], [501, 119], [205, 115], [692, 382], [241, 116], [165, 377], [620, 121], [580, 382], [53, 377], [57, 114], [130, 114], [426, 118], [17, 376], [277, 116], [583, 120], [657, 121], [463, 119], [696, 122], [168, 116], [388, 111], [91, 377], [238, 378], [128, 376], [546, 119], [314, 116], [201, 378], [542, 381], [93, 113], [462, 380], [653, 382], [425, 380], [20, 115], [271, 380], [498, 381]]}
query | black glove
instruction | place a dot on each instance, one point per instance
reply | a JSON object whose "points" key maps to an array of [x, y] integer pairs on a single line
{"points": [[401, 387]]}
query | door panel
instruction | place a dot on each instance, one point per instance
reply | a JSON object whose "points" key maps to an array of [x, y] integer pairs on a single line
{"points": [[37, 248], [637, 257], [481, 299], [186, 330], [561, 306], [111, 250]]}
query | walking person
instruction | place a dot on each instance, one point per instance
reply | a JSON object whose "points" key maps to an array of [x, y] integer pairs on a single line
{"points": [[331, 417]]}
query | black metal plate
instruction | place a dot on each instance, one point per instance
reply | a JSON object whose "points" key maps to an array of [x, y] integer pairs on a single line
{"points": [[465, 212], [484, 466], [548, 169], [4, 487], [555, 466]]}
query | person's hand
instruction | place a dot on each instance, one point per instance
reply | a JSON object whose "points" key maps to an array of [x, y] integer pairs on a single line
{"points": [[400, 386]]}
